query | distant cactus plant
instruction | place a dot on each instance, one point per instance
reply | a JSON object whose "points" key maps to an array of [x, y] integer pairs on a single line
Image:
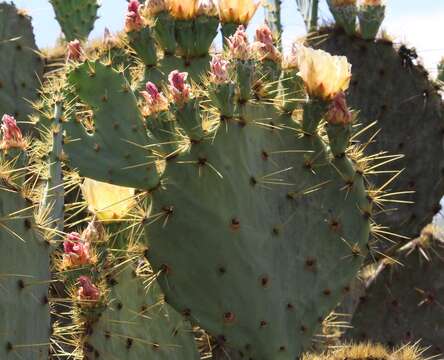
{"points": [[441, 70]]}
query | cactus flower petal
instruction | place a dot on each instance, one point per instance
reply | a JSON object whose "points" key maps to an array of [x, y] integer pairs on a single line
{"points": [[87, 290]]}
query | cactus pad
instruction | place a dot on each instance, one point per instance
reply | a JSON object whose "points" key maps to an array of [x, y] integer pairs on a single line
{"points": [[24, 279], [22, 67], [76, 17], [287, 236]]}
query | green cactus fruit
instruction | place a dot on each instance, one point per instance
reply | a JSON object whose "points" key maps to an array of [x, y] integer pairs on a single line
{"points": [[22, 66], [274, 226], [76, 17], [24, 277], [370, 20], [389, 88], [138, 324], [404, 303], [344, 15]]}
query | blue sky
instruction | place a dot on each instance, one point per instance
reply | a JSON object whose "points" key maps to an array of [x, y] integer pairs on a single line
{"points": [[419, 23]]}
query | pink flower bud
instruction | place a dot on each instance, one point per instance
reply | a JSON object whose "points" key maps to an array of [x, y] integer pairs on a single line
{"points": [[12, 135], [179, 89], [87, 290], [219, 69], [76, 251], [133, 20], [264, 44], [74, 50], [338, 113], [156, 101], [238, 44]]}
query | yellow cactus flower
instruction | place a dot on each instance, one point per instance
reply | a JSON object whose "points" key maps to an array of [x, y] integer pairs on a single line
{"points": [[184, 9], [343, 2], [108, 202], [237, 11], [372, 2], [324, 75]]}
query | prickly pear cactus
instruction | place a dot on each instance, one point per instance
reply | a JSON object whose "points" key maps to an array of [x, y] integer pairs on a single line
{"points": [[24, 268], [291, 224], [404, 304], [76, 17], [22, 67], [388, 87]]}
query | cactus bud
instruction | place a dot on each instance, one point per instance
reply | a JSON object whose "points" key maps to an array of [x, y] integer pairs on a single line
{"points": [[12, 135], [372, 2], [156, 101], [74, 52], [343, 2], [264, 44], [338, 112], [94, 232], [324, 75], [219, 70], [179, 89], [238, 44], [87, 290], [237, 11], [76, 251], [133, 20]]}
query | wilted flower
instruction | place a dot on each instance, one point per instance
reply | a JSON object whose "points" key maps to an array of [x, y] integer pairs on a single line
{"points": [[93, 232], [183, 9], [178, 86], [324, 75], [264, 44], [343, 2], [133, 20], [108, 202], [338, 112], [238, 44], [87, 290], [76, 251], [153, 7], [156, 101], [219, 70], [11, 134], [237, 11], [206, 7], [74, 50]]}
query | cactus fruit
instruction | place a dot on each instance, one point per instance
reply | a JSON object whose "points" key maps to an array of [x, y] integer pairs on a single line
{"points": [[76, 17], [22, 66], [389, 88], [404, 303], [344, 13], [24, 268], [230, 143]]}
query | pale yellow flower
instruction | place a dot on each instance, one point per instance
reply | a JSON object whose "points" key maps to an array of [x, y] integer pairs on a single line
{"points": [[237, 11], [343, 2], [324, 75], [108, 202], [372, 2], [184, 9]]}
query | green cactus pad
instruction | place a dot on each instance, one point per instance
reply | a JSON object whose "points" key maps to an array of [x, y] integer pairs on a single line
{"points": [[137, 324], [24, 279], [404, 304], [22, 66], [272, 225], [388, 88], [76, 17]]}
